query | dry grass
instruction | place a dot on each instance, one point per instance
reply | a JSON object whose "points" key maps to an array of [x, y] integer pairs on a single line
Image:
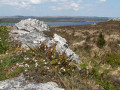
{"points": [[90, 54]]}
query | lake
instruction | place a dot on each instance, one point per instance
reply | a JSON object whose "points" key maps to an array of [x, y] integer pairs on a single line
{"points": [[59, 23]]}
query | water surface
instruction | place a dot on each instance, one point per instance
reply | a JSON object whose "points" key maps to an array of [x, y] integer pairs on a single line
{"points": [[59, 23]]}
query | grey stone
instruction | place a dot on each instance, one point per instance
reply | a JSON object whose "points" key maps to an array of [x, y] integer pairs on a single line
{"points": [[62, 46], [31, 25], [19, 83], [80, 43]]}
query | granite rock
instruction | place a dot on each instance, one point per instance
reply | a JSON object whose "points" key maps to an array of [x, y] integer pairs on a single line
{"points": [[31, 25], [19, 83], [30, 32]]}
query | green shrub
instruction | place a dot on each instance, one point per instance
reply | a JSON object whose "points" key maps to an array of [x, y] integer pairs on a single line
{"points": [[8, 68], [101, 79], [11, 60], [2, 27], [4, 35], [112, 59], [100, 40], [106, 84]]}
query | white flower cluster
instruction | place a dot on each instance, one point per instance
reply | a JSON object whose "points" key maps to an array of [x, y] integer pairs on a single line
{"points": [[44, 61], [59, 63], [36, 64], [6, 53], [23, 65], [20, 64], [26, 58], [63, 69], [46, 67], [26, 65]]}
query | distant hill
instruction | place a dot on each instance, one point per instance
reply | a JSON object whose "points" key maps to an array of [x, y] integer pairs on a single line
{"points": [[15, 19]]}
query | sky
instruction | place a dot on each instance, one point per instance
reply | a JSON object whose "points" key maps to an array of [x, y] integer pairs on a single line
{"points": [[100, 8]]}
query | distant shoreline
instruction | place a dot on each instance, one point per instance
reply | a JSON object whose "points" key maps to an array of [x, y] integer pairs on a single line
{"points": [[60, 23], [55, 19]]}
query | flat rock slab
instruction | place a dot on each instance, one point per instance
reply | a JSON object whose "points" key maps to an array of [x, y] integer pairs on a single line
{"points": [[19, 83]]}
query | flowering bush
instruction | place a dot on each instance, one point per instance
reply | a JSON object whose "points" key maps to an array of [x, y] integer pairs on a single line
{"points": [[47, 61]]}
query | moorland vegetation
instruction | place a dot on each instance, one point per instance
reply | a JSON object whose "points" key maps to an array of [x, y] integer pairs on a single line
{"points": [[99, 55]]}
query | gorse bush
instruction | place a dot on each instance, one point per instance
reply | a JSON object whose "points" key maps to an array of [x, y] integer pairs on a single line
{"points": [[3, 39], [100, 41], [47, 61]]}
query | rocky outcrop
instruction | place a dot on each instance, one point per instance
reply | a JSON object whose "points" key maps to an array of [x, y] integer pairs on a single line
{"points": [[114, 19], [62, 46], [32, 25], [30, 32], [19, 83]]}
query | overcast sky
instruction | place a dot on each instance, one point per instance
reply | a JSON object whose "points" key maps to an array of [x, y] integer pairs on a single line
{"points": [[104, 8]]}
